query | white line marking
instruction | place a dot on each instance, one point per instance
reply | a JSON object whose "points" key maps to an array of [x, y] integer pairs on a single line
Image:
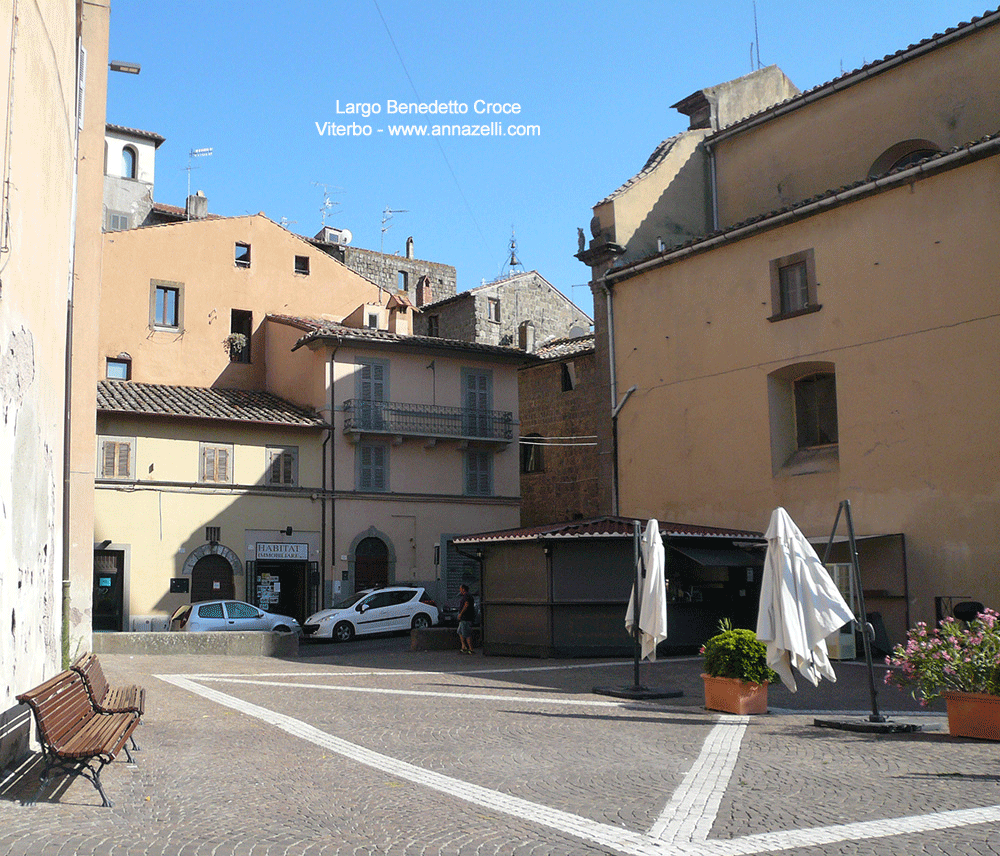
{"points": [[692, 810], [425, 693], [605, 835]]}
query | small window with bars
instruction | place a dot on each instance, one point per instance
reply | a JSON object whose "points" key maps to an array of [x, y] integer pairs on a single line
{"points": [[213, 534]]}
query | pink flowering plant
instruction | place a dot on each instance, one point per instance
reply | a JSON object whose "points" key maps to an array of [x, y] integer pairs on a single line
{"points": [[955, 656]]}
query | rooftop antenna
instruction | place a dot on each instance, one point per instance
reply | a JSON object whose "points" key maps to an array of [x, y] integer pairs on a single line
{"points": [[195, 153], [513, 262], [284, 222], [756, 36], [386, 217], [328, 203]]}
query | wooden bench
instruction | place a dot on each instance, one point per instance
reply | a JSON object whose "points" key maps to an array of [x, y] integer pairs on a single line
{"points": [[75, 737], [108, 699]]}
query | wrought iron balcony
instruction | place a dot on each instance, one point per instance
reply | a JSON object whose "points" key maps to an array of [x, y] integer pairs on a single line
{"points": [[427, 420]]}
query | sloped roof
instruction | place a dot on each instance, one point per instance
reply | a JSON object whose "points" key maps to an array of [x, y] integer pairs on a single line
{"points": [[654, 160], [317, 329], [195, 402], [560, 349], [135, 132], [486, 286], [604, 527]]}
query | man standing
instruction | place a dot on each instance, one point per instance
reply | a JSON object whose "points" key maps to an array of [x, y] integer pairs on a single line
{"points": [[466, 616]]}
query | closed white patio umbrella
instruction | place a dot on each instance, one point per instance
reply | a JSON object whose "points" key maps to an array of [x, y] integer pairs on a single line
{"points": [[653, 600], [799, 605]]}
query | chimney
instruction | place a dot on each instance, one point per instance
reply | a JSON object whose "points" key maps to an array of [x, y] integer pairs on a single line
{"points": [[424, 293], [526, 337], [409, 247], [197, 206]]}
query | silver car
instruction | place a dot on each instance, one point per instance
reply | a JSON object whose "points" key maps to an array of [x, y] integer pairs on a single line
{"points": [[208, 615], [379, 611]]}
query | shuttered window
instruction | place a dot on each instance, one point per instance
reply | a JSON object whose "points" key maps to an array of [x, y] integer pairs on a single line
{"points": [[283, 466], [216, 463], [478, 473], [117, 460], [373, 467]]}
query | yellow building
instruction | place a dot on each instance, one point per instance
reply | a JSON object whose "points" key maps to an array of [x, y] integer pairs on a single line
{"points": [[834, 332], [270, 430]]}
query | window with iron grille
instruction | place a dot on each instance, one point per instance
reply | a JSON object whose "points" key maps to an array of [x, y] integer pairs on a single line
{"points": [[216, 463], [213, 534], [117, 457], [283, 466]]}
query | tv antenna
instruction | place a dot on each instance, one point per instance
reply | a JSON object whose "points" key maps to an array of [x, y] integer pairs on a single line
{"points": [[328, 203], [386, 225], [195, 153], [513, 263]]}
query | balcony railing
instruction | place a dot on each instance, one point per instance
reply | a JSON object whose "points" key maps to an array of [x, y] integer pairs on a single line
{"points": [[427, 420]]}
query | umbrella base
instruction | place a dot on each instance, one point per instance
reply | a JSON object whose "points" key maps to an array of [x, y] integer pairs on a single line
{"points": [[637, 692], [867, 727]]}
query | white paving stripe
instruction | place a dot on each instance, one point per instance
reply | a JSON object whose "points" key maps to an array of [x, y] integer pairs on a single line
{"points": [[427, 693], [691, 811], [674, 834]]}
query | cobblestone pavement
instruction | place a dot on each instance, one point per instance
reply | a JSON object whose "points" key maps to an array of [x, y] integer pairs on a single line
{"points": [[372, 749]]}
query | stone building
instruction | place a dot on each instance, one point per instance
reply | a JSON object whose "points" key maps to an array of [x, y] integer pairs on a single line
{"points": [[559, 398], [523, 310]]}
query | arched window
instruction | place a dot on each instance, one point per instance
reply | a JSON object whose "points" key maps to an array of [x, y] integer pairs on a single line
{"points": [[129, 162], [802, 400], [903, 154], [816, 410]]}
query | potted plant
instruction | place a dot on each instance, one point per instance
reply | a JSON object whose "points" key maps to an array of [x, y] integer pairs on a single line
{"points": [[234, 345], [736, 671], [959, 661]]}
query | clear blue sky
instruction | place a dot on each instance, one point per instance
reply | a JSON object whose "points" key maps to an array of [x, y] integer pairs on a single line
{"points": [[252, 80]]}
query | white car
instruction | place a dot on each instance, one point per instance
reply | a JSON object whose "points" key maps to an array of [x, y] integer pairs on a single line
{"points": [[379, 611], [208, 615]]}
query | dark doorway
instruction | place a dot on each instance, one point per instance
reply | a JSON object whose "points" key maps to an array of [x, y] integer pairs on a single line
{"points": [[109, 590], [212, 579], [283, 586], [371, 564]]}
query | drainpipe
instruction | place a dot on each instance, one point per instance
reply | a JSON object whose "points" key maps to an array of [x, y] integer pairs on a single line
{"points": [[614, 449], [331, 374], [713, 186]]}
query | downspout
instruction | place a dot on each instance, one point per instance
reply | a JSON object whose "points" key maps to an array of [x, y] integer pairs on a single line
{"points": [[713, 179], [331, 496], [613, 384]]}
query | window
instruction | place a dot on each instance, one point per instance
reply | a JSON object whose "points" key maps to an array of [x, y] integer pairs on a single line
{"points": [[568, 375], [117, 457], [816, 410], [166, 304], [478, 473], [793, 285], [213, 534], [531, 454], [433, 325], [302, 265], [802, 401], [210, 610], [493, 309], [237, 609], [373, 467], [119, 368], [242, 255], [403, 281], [129, 161], [903, 154], [372, 390], [477, 401], [216, 463], [283, 466], [240, 330], [116, 221], [372, 320]]}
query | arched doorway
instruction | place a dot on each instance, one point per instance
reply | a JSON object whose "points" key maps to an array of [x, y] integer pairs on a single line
{"points": [[371, 564], [212, 579]]}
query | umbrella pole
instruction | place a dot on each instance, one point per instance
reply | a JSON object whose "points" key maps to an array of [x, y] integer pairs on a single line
{"points": [[845, 507]]}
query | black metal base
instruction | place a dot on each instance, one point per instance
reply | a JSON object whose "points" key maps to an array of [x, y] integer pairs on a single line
{"points": [[637, 692], [866, 726]]}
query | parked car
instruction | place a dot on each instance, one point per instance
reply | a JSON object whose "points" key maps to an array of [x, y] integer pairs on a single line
{"points": [[373, 611], [229, 615]]}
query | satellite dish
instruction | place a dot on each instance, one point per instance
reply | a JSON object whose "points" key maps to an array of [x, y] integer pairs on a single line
{"points": [[345, 236]]}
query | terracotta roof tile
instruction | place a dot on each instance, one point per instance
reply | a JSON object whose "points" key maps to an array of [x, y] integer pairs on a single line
{"points": [[194, 402], [560, 349]]}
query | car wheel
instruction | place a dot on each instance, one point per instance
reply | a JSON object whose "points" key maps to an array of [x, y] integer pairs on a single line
{"points": [[343, 632], [420, 621]]}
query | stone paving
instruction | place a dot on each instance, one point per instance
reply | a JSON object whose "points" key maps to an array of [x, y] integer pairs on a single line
{"points": [[372, 749]]}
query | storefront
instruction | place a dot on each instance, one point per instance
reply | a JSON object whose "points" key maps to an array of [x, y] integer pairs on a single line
{"points": [[283, 572]]}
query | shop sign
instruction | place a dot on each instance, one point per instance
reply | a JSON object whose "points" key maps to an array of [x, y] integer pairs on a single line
{"points": [[274, 550]]}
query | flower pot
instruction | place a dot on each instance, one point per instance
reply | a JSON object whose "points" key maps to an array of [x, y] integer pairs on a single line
{"points": [[973, 715], [732, 695]]}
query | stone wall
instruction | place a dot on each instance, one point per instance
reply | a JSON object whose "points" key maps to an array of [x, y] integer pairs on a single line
{"points": [[567, 487], [383, 269]]}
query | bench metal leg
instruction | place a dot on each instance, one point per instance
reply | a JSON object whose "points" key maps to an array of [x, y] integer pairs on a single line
{"points": [[74, 768]]}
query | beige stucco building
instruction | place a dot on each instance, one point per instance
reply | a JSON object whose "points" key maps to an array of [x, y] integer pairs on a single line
{"points": [[269, 428], [833, 332]]}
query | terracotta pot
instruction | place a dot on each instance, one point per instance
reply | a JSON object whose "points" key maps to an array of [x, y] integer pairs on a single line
{"points": [[973, 715], [732, 695]]}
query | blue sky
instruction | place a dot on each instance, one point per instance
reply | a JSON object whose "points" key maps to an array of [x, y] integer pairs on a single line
{"points": [[596, 78]]}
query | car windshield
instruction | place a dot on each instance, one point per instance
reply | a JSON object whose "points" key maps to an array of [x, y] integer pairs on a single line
{"points": [[350, 601]]}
